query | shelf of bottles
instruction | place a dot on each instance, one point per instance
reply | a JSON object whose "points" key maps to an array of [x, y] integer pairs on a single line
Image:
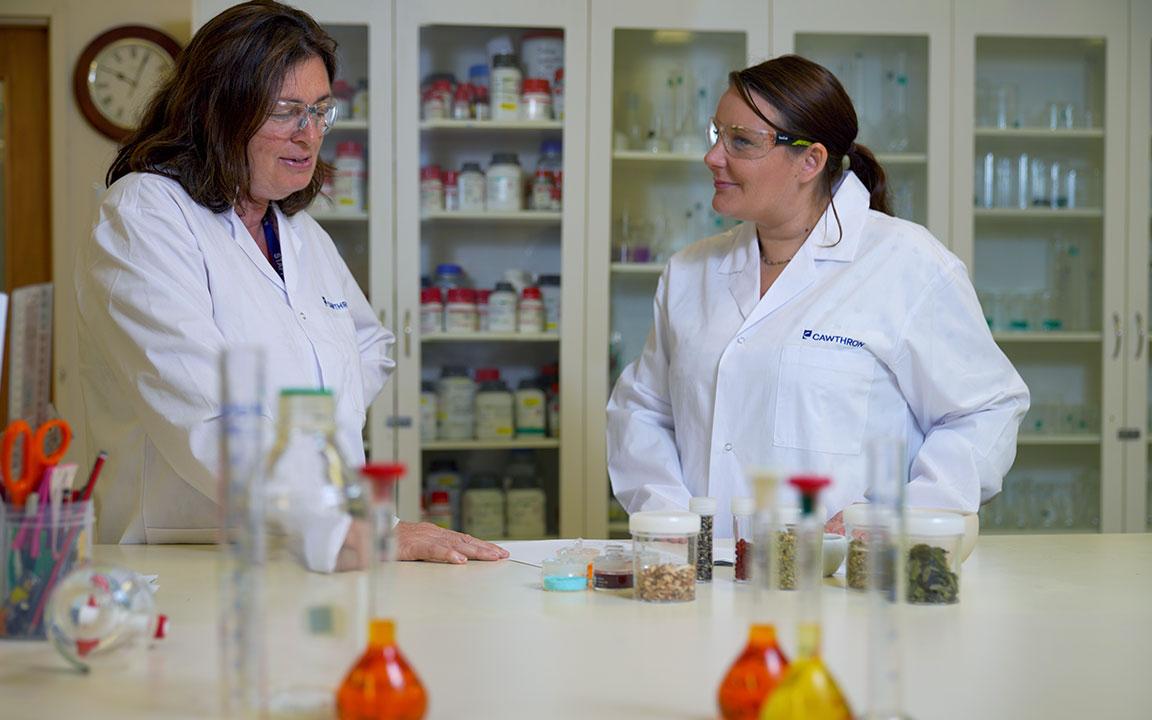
{"points": [[665, 89], [342, 206], [887, 79], [491, 149], [1038, 256]]}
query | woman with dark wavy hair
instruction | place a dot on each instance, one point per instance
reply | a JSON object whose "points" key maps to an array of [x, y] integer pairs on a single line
{"points": [[817, 325], [202, 242]]}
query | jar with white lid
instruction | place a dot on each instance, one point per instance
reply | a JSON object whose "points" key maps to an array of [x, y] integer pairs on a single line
{"points": [[455, 409], [460, 311], [531, 410], [536, 102], [933, 557], [505, 81], [550, 293], [705, 507], [431, 189], [502, 308], [431, 310], [504, 184], [531, 312], [349, 174], [495, 418], [664, 555], [471, 186]]}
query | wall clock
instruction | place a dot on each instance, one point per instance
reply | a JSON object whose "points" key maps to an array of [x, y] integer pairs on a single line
{"points": [[118, 72]]}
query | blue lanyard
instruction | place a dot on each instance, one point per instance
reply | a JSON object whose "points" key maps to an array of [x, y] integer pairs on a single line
{"points": [[272, 240]]}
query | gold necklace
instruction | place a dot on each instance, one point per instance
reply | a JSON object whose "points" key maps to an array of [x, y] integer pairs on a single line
{"points": [[772, 263]]}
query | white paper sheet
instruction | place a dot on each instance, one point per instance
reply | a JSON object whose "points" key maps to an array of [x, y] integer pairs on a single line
{"points": [[535, 552]]}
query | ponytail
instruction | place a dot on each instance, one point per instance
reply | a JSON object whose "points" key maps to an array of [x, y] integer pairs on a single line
{"points": [[862, 162]]}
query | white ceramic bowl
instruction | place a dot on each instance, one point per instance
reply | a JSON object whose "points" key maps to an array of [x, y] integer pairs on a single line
{"points": [[835, 548]]}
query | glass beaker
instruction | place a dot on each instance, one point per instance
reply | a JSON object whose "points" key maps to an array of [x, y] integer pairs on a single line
{"points": [[1004, 111]]}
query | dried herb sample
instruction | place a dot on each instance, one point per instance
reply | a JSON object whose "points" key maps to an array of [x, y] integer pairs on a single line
{"points": [[666, 583], [786, 559], [858, 565], [704, 550], [743, 560], [930, 580]]}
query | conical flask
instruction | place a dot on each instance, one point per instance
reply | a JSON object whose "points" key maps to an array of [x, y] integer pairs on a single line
{"points": [[808, 691], [381, 685]]}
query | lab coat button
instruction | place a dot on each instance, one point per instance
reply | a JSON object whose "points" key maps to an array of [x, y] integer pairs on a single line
{"points": [[740, 340], [727, 447], [303, 316]]}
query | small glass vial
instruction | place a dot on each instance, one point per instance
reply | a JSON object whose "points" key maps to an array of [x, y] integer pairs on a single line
{"points": [[612, 571], [431, 189], [531, 316], [536, 103], [705, 507], [933, 557], [743, 510], [502, 306], [471, 186], [664, 555], [460, 311], [451, 190], [504, 183], [564, 573]]}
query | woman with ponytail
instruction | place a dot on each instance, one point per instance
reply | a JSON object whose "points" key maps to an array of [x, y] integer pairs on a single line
{"points": [[818, 324]]}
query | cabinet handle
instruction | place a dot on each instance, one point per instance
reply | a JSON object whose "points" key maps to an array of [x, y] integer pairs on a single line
{"points": [[407, 329], [1119, 333], [1140, 336]]}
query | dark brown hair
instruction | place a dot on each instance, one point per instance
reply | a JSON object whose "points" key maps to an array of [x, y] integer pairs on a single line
{"points": [[197, 127], [814, 105]]}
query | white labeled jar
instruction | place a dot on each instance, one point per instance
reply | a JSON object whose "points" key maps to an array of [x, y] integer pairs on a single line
{"points": [[664, 555], [504, 183], [428, 401], [536, 102], [431, 310], [348, 177], [502, 308], [451, 190], [531, 410], [531, 316], [431, 189], [495, 417], [482, 508], [471, 185], [550, 293], [456, 394], [505, 87], [460, 311]]}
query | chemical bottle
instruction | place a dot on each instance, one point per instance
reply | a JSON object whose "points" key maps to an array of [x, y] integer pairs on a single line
{"points": [[444, 476], [526, 502], [502, 308], [428, 402], [807, 690], [531, 311], [455, 407], [482, 508], [348, 178], [381, 684], [360, 101], [505, 87], [531, 410], [438, 511], [495, 419]]}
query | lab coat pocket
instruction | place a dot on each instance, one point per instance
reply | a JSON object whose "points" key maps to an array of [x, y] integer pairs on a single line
{"points": [[822, 399]]}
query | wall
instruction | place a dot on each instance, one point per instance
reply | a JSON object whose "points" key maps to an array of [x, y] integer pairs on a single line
{"points": [[80, 156]]}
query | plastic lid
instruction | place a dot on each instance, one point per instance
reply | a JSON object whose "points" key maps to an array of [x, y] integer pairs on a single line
{"points": [[349, 147], [934, 524], [440, 496], [448, 269], [743, 506], [464, 92], [305, 392], [442, 84], [505, 158], [505, 60], [532, 293], [503, 286], [551, 147], [487, 374], [537, 85], [665, 522], [479, 70], [529, 384], [703, 505], [431, 294], [456, 295], [471, 167], [454, 371], [383, 473], [430, 172], [469, 295], [482, 296], [451, 177], [548, 280]]}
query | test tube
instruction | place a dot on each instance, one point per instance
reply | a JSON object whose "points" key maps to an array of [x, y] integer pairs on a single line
{"points": [[887, 468], [242, 447]]}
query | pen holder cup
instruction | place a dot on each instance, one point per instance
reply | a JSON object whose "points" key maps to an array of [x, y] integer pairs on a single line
{"points": [[38, 550]]}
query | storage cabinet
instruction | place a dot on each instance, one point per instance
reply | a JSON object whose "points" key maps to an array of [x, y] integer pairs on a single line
{"points": [[1038, 145], [1138, 402]]}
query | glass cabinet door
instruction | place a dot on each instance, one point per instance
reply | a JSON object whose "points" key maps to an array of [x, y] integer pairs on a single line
{"points": [[491, 251], [1040, 222], [650, 192], [1138, 458]]}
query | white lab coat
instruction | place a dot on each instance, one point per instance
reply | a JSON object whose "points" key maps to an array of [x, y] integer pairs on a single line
{"points": [[877, 335], [163, 286]]}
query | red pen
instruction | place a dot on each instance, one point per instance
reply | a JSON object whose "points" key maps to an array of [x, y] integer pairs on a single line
{"points": [[86, 493]]}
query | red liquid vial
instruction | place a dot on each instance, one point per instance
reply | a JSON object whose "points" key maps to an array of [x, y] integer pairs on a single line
{"points": [[381, 685]]}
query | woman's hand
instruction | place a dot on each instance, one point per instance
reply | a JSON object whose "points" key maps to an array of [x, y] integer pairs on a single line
{"points": [[425, 541]]}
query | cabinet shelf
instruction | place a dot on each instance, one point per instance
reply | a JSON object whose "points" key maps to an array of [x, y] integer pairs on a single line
{"points": [[356, 124], [543, 217], [490, 337], [330, 216], [1037, 213], [1047, 337], [519, 443], [1069, 439], [1039, 133], [482, 125], [669, 157], [628, 268]]}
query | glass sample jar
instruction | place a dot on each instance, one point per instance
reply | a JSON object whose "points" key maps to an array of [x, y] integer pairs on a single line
{"points": [[612, 571], [550, 291], [504, 183], [664, 555], [526, 502], [933, 557], [787, 520], [743, 510], [705, 507], [564, 574]]}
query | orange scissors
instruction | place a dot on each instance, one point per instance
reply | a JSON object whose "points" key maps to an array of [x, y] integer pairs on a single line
{"points": [[37, 451]]}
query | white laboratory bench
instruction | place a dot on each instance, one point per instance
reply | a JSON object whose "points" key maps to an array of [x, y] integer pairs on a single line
{"points": [[1056, 626]]}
